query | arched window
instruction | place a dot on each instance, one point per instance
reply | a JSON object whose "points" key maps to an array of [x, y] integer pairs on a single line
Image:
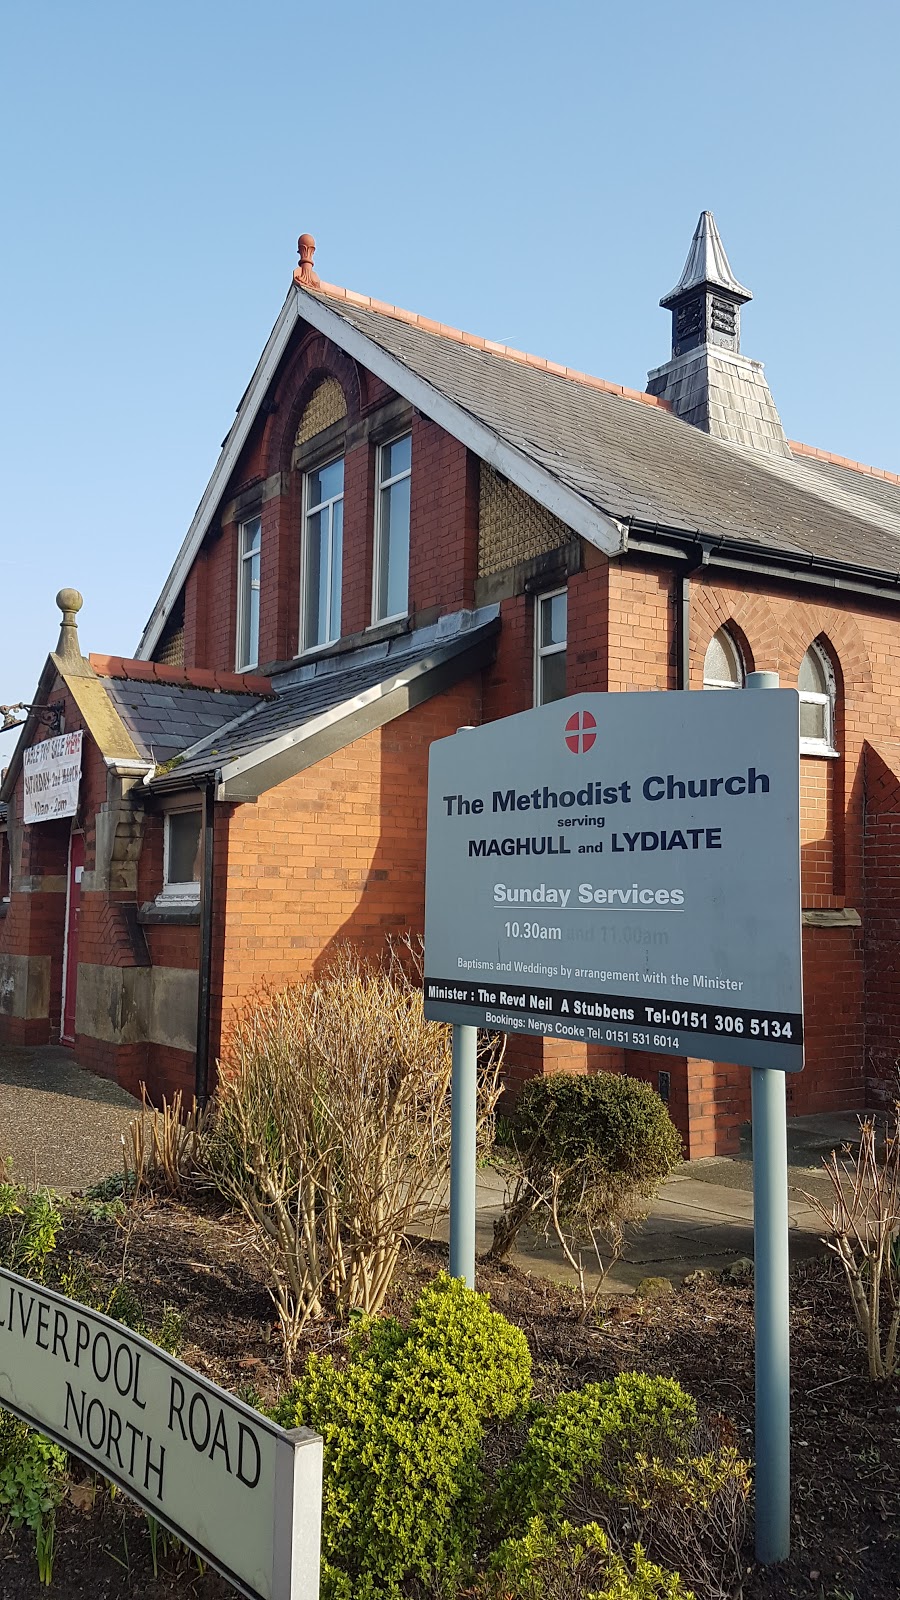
{"points": [[816, 682], [722, 664]]}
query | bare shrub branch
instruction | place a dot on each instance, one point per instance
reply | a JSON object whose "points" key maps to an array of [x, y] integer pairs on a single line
{"points": [[333, 1129]]}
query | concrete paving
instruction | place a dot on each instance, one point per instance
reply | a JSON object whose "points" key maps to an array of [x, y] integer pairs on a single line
{"points": [[63, 1127], [702, 1218], [59, 1125]]}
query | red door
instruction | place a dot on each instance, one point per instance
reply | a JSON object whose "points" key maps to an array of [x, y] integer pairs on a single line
{"points": [[70, 957]]}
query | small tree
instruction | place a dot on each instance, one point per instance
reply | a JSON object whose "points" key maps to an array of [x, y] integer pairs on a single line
{"points": [[333, 1128], [863, 1230], [583, 1157]]}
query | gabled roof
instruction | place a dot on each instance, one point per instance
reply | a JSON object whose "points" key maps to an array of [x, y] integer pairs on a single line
{"points": [[598, 456]]}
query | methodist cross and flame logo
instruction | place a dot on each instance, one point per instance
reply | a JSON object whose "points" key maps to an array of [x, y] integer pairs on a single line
{"points": [[581, 732]]}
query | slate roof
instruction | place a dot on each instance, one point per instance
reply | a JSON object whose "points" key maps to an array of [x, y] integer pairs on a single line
{"points": [[165, 719], [640, 462], [311, 689]]}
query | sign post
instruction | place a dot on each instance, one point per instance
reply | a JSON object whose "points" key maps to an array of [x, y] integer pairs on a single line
{"points": [[623, 870], [771, 1297]]}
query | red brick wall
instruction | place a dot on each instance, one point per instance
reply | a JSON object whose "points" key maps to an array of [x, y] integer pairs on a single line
{"points": [[882, 923], [336, 854]]}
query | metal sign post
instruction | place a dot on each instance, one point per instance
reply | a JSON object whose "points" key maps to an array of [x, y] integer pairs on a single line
{"points": [[771, 1297], [463, 1125]]}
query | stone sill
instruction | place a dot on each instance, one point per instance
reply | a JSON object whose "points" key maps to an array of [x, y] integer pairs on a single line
{"points": [[155, 913], [832, 917]]}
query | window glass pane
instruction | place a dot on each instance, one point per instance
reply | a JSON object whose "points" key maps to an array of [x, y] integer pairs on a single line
{"points": [[811, 676], [315, 578], [325, 483], [184, 847], [252, 535], [337, 548], [553, 620], [248, 651], [396, 457], [720, 665], [393, 564], [812, 719], [553, 677]]}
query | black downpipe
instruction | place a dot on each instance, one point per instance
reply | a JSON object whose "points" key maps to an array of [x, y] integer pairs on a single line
{"points": [[201, 1069], [683, 622]]}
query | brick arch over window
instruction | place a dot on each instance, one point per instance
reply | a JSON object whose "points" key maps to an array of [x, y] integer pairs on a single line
{"points": [[839, 635], [748, 618], [317, 361]]}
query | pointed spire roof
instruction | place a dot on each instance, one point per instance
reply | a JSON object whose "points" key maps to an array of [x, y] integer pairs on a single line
{"points": [[706, 263]]}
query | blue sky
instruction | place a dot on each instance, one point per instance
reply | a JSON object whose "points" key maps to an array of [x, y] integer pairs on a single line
{"points": [[528, 172]]}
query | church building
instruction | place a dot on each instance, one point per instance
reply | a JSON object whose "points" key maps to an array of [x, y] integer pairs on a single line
{"points": [[410, 529]]}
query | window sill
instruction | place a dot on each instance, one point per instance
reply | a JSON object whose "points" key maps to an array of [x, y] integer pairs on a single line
{"points": [[185, 913], [400, 620], [822, 752]]}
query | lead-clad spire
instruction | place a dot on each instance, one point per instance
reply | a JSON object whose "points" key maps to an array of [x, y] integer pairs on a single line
{"points": [[706, 263]]}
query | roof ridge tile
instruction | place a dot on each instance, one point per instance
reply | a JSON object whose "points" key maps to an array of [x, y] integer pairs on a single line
{"points": [[474, 341], [798, 449], [184, 677]]}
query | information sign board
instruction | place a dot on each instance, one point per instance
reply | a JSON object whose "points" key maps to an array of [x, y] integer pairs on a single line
{"points": [[52, 773], [242, 1492], [622, 870]]}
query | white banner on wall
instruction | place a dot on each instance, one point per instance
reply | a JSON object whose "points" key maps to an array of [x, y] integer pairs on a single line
{"points": [[52, 778]]}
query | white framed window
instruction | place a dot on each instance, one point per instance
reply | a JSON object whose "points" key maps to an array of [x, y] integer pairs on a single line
{"points": [[182, 846], [249, 542], [390, 590], [322, 555], [722, 664], [817, 685], [550, 625]]}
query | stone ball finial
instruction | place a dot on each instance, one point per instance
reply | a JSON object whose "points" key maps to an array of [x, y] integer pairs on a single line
{"points": [[306, 273], [69, 600]]}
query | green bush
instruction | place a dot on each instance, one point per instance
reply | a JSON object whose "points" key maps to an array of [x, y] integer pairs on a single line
{"points": [[592, 1440], [30, 1221], [403, 1425], [566, 1563], [32, 1483], [633, 1455], [583, 1157]]}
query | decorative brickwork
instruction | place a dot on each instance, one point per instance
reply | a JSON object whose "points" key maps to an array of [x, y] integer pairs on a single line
{"points": [[170, 650], [511, 526], [326, 406]]}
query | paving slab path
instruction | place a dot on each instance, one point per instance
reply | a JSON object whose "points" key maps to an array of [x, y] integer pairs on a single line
{"points": [[59, 1125]]}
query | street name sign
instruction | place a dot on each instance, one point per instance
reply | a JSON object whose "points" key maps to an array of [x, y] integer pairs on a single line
{"points": [[622, 870], [243, 1493], [52, 772]]}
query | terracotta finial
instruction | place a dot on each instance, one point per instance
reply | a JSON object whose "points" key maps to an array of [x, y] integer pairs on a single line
{"points": [[306, 273]]}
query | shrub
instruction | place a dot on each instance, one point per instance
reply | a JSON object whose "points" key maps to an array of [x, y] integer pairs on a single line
{"points": [[633, 1455], [863, 1230], [583, 1157], [30, 1221], [403, 1426], [166, 1147], [333, 1129], [566, 1563], [32, 1483]]}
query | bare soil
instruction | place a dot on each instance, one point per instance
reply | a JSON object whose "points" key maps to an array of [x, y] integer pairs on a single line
{"points": [[846, 1461]]}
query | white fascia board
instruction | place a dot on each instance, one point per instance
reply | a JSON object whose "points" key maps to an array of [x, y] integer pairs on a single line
{"points": [[234, 443], [327, 719], [598, 527]]}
